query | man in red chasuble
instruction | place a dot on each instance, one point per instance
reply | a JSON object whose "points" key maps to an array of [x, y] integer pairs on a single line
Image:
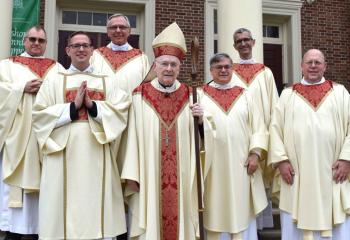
{"points": [[235, 139], [78, 116], [160, 162], [20, 79], [310, 148], [259, 81]]}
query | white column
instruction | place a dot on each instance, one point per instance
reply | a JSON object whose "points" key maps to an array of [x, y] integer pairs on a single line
{"points": [[234, 14], [5, 28]]}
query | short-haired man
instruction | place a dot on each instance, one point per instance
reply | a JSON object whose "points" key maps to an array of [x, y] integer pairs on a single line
{"points": [[310, 147], [235, 138], [128, 65], [77, 115], [259, 81], [20, 79]]}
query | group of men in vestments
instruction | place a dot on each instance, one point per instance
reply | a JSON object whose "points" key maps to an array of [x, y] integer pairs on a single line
{"points": [[80, 144]]}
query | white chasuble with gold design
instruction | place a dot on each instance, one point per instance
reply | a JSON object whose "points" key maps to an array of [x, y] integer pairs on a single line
{"points": [[81, 196]]}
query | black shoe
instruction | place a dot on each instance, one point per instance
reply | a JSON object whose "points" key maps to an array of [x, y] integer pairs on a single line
{"points": [[13, 236]]}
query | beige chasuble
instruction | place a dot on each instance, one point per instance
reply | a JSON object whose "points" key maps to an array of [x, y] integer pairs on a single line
{"points": [[128, 68], [259, 81], [21, 157], [81, 196], [232, 128], [160, 157], [310, 127]]}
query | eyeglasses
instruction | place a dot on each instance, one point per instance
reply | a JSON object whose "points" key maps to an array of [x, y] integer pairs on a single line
{"points": [[166, 64], [115, 27], [77, 46], [313, 62], [240, 41], [220, 67], [34, 39]]}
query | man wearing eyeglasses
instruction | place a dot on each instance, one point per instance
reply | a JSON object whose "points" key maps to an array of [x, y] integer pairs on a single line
{"points": [[77, 115], [128, 65], [159, 166], [310, 147], [259, 81], [20, 79], [235, 139]]}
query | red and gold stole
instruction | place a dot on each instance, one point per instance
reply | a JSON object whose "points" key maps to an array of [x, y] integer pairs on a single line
{"points": [[168, 107], [117, 59], [39, 66], [247, 72], [224, 98], [313, 94], [95, 86]]}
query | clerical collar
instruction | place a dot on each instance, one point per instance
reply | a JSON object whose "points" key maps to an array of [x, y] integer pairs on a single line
{"points": [[222, 86], [72, 69], [25, 54], [115, 47], [304, 82], [247, 61], [165, 89]]}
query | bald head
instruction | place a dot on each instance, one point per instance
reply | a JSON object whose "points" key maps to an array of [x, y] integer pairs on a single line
{"points": [[313, 65], [313, 52]]}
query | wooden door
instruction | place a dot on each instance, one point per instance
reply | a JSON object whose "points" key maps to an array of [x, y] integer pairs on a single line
{"points": [[273, 59]]}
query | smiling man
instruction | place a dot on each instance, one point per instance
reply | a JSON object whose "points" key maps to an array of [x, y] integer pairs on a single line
{"points": [[310, 147], [159, 165], [77, 115], [259, 81], [235, 139], [20, 79], [128, 65]]}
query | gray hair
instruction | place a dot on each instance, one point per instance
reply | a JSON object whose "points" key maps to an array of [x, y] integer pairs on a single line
{"points": [[119, 15], [218, 57], [37, 28], [242, 30]]}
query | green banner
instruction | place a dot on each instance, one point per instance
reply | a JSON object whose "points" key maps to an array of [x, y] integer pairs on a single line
{"points": [[24, 15]]}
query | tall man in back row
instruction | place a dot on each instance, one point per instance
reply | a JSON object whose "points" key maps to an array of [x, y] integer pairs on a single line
{"points": [[20, 79], [129, 65], [260, 83], [310, 147]]}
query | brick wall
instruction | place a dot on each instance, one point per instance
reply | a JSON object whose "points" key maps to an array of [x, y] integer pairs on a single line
{"points": [[326, 25], [189, 15]]}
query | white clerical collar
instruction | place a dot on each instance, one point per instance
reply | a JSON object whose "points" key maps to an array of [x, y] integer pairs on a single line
{"points": [[73, 69], [115, 47], [25, 54], [222, 86], [304, 82], [247, 61], [155, 83]]}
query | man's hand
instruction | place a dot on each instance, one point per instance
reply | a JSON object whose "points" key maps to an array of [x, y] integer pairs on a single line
{"points": [[79, 98], [252, 163], [341, 170], [287, 171], [32, 86], [87, 100], [197, 111]]}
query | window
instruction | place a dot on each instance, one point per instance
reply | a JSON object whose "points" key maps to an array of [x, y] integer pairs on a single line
{"points": [[91, 18], [271, 31]]}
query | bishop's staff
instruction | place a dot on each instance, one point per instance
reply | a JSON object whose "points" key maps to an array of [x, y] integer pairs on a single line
{"points": [[194, 63]]}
